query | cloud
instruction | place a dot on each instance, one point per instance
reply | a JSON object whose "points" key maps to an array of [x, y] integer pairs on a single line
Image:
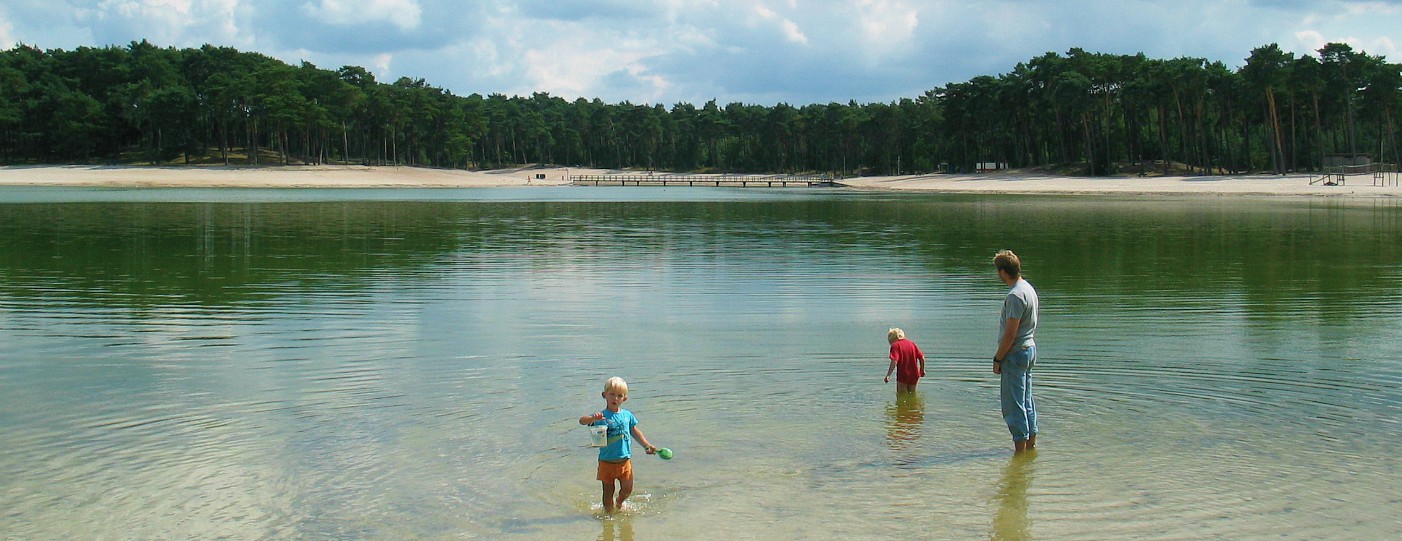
{"points": [[887, 21], [1310, 39], [667, 51], [7, 37], [404, 14], [1385, 9], [609, 11], [1309, 42], [364, 28], [1365, 26], [575, 67], [789, 28], [163, 21], [381, 63]]}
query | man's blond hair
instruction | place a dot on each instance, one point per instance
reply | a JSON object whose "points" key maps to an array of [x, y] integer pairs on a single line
{"points": [[1007, 261]]}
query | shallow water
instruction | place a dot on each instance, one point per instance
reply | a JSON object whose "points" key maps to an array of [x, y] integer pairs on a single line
{"points": [[410, 364]]}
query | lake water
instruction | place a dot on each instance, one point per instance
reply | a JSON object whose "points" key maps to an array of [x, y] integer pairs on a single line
{"points": [[411, 364]]}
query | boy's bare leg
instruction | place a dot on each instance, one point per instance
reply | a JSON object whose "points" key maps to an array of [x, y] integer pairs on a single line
{"points": [[625, 489], [608, 497], [1020, 446], [1032, 441]]}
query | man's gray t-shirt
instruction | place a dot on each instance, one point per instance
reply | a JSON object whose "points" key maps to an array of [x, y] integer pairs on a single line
{"points": [[1020, 304]]}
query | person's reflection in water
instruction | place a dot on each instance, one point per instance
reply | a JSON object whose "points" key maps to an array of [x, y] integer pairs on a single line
{"points": [[1010, 523], [617, 528], [904, 419]]}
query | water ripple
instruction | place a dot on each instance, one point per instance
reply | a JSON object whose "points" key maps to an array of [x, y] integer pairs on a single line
{"points": [[416, 369]]}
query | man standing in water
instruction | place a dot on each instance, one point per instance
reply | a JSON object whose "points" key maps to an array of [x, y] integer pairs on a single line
{"points": [[1016, 352]]}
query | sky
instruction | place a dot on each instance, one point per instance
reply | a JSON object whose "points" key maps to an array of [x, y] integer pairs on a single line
{"points": [[666, 52]]}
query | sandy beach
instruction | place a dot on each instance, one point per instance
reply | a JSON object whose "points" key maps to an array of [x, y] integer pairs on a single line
{"points": [[309, 176], [336, 176], [1264, 185]]}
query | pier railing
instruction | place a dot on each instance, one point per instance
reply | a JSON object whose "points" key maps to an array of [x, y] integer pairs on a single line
{"points": [[1384, 174], [743, 181]]}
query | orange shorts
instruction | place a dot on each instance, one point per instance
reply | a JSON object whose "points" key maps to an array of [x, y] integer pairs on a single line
{"points": [[615, 471]]}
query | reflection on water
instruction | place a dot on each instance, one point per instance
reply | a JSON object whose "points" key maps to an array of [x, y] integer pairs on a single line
{"points": [[904, 416], [1011, 522], [234, 364], [617, 529]]}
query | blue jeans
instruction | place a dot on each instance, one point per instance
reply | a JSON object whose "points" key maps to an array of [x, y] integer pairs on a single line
{"points": [[1015, 393]]}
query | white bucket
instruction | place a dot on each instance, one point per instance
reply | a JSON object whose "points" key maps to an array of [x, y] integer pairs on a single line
{"points": [[599, 435]]}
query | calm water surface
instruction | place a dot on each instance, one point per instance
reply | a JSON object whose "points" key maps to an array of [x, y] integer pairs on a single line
{"points": [[410, 364]]}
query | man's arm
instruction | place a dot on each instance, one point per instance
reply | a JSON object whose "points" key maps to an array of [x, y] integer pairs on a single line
{"points": [[1005, 343]]}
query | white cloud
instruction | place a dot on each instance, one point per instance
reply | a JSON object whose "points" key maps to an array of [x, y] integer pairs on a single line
{"points": [[185, 23], [1365, 26], [574, 64], [405, 14], [887, 21], [128, 8], [7, 37], [1373, 9], [789, 28], [161, 21], [380, 63], [692, 39], [1384, 46], [1311, 40], [664, 51], [487, 58], [792, 33]]}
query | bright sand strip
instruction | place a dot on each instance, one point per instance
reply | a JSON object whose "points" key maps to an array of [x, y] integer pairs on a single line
{"points": [[338, 176], [294, 176], [1282, 185]]}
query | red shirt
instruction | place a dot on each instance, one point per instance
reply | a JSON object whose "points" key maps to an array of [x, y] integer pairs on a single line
{"points": [[907, 356]]}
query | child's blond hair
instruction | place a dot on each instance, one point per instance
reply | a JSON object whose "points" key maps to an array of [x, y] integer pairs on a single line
{"points": [[616, 384], [894, 334]]}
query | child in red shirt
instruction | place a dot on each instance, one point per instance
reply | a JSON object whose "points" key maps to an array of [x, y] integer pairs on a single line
{"points": [[906, 361]]}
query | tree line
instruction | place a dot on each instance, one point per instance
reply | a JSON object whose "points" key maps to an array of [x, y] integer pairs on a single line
{"points": [[1092, 113]]}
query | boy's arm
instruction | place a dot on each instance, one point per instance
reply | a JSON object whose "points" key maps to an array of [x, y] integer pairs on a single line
{"points": [[589, 419], [638, 435], [889, 370], [922, 366]]}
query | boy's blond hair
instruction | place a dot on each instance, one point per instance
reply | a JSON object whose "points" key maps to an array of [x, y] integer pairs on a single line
{"points": [[894, 334], [616, 384]]}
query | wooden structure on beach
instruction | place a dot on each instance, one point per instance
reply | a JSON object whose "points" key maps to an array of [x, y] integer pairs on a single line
{"points": [[736, 181], [1384, 174]]}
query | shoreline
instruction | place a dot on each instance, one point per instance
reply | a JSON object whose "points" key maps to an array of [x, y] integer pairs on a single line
{"points": [[356, 176], [1262, 185], [279, 176]]}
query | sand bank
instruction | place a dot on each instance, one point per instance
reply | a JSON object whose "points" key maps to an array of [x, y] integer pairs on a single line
{"points": [[336, 176], [1276, 185], [311, 176]]}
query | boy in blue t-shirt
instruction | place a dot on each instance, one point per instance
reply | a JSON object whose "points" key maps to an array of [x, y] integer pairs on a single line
{"points": [[614, 458]]}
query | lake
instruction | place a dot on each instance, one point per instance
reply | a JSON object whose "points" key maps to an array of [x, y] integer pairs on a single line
{"points": [[411, 364]]}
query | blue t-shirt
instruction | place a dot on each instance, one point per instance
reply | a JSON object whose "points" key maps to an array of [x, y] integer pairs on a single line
{"points": [[620, 434]]}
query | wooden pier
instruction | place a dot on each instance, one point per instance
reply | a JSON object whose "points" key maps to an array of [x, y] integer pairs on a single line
{"points": [[738, 181]]}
